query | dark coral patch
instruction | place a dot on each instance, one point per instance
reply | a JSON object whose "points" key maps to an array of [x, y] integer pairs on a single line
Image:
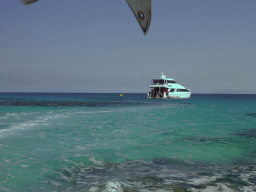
{"points": [[251, 114]]}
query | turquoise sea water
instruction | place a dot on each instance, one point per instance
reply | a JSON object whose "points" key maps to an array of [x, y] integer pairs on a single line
{"points": [[104, 142]]}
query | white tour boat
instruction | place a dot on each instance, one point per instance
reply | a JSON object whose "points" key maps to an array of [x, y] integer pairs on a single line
{"points": [[167, 87]]}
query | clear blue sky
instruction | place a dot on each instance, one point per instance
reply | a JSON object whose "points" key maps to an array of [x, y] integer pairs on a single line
{"points": [[97, 46]]}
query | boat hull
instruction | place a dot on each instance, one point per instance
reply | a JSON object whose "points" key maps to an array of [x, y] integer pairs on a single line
{"points": [[176, 95], [179, 95]]}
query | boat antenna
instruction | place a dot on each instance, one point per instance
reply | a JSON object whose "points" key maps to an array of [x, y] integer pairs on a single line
{"points": [[162, 76]]}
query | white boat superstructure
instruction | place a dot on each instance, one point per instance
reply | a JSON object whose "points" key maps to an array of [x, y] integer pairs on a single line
{"points": [[167, 87]]}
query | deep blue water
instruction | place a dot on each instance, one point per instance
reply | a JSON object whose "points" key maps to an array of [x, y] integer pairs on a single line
{"points": [[104, 142]]}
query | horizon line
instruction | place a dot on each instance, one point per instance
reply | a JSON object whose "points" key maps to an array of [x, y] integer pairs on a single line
{"points": [[124, 93]]}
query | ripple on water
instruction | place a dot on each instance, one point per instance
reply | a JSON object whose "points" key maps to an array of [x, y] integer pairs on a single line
{"points": [[247, 133]]}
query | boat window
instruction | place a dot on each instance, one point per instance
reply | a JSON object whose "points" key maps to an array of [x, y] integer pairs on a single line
{"points": [[158, 81], [161, 82], [172, 90], [182, 90], [171, 81]]}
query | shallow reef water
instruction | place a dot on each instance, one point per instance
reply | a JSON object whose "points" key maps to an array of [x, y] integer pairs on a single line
{"points": [[108, 143]]}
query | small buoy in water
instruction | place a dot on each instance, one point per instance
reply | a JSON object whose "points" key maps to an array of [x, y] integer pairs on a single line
{"points": [[121, 95]]}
